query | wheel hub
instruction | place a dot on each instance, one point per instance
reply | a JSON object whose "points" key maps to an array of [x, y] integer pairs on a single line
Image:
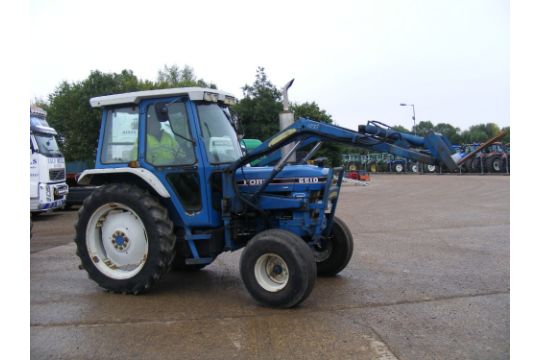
{"points": [[120, 240], [277, 269], [271, 272], [117, 241]]}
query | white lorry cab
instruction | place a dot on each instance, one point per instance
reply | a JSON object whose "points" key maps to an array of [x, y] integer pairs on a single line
{"points": [[48, 188]]}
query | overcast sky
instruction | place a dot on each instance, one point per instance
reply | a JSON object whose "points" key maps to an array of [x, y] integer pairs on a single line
{"points": [[358, 60]]}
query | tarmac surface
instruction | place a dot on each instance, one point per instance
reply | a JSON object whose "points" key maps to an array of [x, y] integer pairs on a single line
{"points": [[429, 279]]}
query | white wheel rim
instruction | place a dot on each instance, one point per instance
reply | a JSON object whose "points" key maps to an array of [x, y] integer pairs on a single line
{"points": [[414, 168], [431, 168], [497, 165], [271, 272], [399, 168], [116, 240]]}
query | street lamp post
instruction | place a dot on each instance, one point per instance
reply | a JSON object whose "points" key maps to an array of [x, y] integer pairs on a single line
{"points": [[413, 115], [414, 127]]}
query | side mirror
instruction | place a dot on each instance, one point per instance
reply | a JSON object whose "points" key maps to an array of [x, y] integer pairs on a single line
{"points": [[162, 112]]}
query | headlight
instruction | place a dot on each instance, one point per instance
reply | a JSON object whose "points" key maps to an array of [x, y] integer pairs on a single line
{"points": [[229, 100], [212, 97]]}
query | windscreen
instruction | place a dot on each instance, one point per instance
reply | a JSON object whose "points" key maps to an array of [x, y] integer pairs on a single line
{"points": [[47, 144], [219, 135]]}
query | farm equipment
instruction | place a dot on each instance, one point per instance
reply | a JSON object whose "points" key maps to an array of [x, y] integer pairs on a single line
{"points": [[497, 158], [198, 198], [491, 156]]}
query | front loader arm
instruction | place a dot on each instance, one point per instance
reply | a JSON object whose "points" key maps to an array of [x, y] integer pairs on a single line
{"points": [[434, 148]]}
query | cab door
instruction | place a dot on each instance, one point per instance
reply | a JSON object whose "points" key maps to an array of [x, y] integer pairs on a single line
{"points": [[169, 150]]}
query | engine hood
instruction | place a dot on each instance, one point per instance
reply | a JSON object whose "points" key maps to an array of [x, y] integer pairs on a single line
{"points": [[291, 178]]}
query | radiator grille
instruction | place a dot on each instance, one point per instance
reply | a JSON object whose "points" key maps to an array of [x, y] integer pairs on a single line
{"points": [[56, 175]]}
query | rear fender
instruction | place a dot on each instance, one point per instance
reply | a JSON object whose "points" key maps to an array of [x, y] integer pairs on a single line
{"points": [[142, 177]]}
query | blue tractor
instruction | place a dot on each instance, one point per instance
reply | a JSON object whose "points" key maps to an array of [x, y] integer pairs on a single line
{"points": [[183, 208]]}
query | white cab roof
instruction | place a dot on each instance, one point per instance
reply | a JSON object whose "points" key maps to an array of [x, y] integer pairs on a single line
{"points": [[194, 93]]}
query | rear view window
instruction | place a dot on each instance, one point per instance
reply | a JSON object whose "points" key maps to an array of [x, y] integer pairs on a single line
{"points": [[121, 134]]}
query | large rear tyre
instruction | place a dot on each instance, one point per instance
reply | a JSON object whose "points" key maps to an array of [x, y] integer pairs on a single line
{"points": [[336, 251], [398, 167], [278, 268], [124, 238], [477, 166], [494, 164], [429, 168]]}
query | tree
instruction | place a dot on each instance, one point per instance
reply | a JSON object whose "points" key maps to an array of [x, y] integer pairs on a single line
{"points": [[69, 111], [172, 76], [259, 110], [77, 123], [423, 127], [452, 133], [401, 128], [480, 133], [311, 110], [506, 138]]}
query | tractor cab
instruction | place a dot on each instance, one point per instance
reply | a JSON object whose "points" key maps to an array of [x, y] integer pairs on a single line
{"points": [[177, 138]]}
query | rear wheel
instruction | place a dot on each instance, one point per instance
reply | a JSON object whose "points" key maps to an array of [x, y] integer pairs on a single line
{"points": [[477, 166], [505, 163], [430, 168], [336, 251], [398, 167], [494, 164], [278, 268], [124, 238]]}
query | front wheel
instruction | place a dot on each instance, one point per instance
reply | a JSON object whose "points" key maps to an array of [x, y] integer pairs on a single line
{"points": [[336, 250], [278, 268], [124, 238]]}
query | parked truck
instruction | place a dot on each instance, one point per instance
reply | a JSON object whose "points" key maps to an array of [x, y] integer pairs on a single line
{"points": [[48, 188]]}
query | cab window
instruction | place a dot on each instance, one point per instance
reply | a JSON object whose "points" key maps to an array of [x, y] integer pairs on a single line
{"points": [[219, 136], [121, 131], [168, 142]]}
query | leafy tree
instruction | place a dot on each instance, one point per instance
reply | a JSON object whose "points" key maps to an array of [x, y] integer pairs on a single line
{"points": [[506, 138], [69, 111], [77, 123], [423, 127], [311, 111], [173, 76], [452, 133], [259, 110], [401, 128], [480, 133]]}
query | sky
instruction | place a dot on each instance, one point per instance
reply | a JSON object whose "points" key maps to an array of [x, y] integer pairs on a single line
{"points": [[358, 60]]}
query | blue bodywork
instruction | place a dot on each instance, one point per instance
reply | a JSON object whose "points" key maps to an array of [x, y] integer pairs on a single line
{"points": [[237, 201]]}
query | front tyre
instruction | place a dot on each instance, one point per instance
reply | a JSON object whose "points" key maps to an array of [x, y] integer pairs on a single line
{"points": [[278, 268], [336, 250], [124, 238]]}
